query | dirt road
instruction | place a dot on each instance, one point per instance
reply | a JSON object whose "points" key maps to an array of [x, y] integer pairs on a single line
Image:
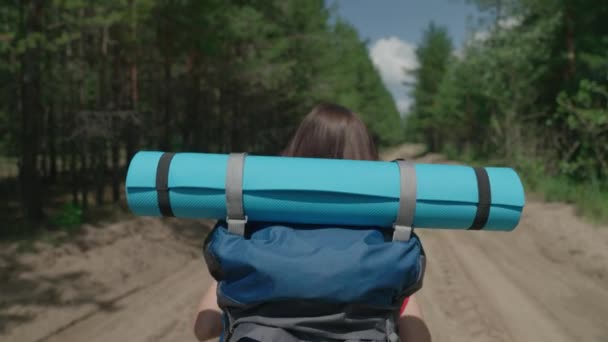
{"points": [[547, 281], [140, 280]]}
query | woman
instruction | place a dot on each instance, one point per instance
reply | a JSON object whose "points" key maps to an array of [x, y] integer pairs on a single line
{"points": [[328, 131]]}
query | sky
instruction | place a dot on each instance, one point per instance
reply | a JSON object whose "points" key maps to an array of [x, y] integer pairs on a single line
{"points": [[393, 28]]}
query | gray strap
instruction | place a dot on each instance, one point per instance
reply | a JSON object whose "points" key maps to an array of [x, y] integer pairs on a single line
{"points": [[235, 214], [407, 201], [391, 331], [260, 332]]}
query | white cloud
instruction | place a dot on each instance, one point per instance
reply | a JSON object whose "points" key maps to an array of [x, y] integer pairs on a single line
{"points": [[505, 24], [392, 56]]}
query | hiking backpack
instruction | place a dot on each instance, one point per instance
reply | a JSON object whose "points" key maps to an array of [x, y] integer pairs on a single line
{"points": [[289, 283]]}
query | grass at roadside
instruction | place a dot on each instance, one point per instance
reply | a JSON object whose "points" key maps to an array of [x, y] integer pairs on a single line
{"points": [[590, 198], [62, 218]]}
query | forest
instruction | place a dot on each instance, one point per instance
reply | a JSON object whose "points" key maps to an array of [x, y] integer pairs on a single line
{"points": [[86, 84], [529, 90]]}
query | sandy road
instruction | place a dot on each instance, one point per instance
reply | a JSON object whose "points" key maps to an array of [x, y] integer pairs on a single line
{"points": [[140, 281], [160, 312], [539, 283]]}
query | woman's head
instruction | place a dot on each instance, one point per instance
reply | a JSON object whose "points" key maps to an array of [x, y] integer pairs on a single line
{"points": [[332, 131]]}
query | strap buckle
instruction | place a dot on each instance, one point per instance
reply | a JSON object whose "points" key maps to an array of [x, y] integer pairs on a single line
{"points": [[401, 232], [237, 225]]}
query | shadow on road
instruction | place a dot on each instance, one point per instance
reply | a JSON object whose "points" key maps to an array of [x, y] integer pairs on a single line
{"points": [[82, 270]]}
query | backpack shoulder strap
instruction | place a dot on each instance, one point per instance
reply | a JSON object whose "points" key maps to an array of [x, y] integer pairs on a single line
{"points": [[404, 222], [235, 213]]}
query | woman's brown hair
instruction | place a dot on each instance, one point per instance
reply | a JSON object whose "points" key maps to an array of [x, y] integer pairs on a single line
{"points": [[332, 131]]}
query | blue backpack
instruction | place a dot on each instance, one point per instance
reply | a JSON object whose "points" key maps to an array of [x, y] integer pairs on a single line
{"points": [[342, 279], [288, 282]]}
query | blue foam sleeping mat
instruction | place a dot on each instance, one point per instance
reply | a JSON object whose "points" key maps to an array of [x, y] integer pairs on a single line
{"points": [[324, 191]]}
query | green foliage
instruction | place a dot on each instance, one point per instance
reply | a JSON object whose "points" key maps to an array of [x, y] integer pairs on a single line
{"points": [[585, 114], [84, 84], [531, 94], [69, 218], [433, 55], [351, 79], [589, 198]]}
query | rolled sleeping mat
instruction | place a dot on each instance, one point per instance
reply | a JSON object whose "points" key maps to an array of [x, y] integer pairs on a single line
{"points": [[239, 187]]}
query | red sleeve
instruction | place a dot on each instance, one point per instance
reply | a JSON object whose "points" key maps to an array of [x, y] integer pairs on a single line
{"points": [[407, 299]]}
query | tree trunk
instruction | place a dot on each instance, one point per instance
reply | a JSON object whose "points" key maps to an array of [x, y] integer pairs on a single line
{"points": [[84, 178], [131, 129], [134, 90], [31, 109], [117, 84], [570, 44], [74, 174], [60, 163], [192, 126], [226, 117], [52, 145], [43, 155], [100, 166], [166, 122], [236, 133], [100, 149], [115, 171]]}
